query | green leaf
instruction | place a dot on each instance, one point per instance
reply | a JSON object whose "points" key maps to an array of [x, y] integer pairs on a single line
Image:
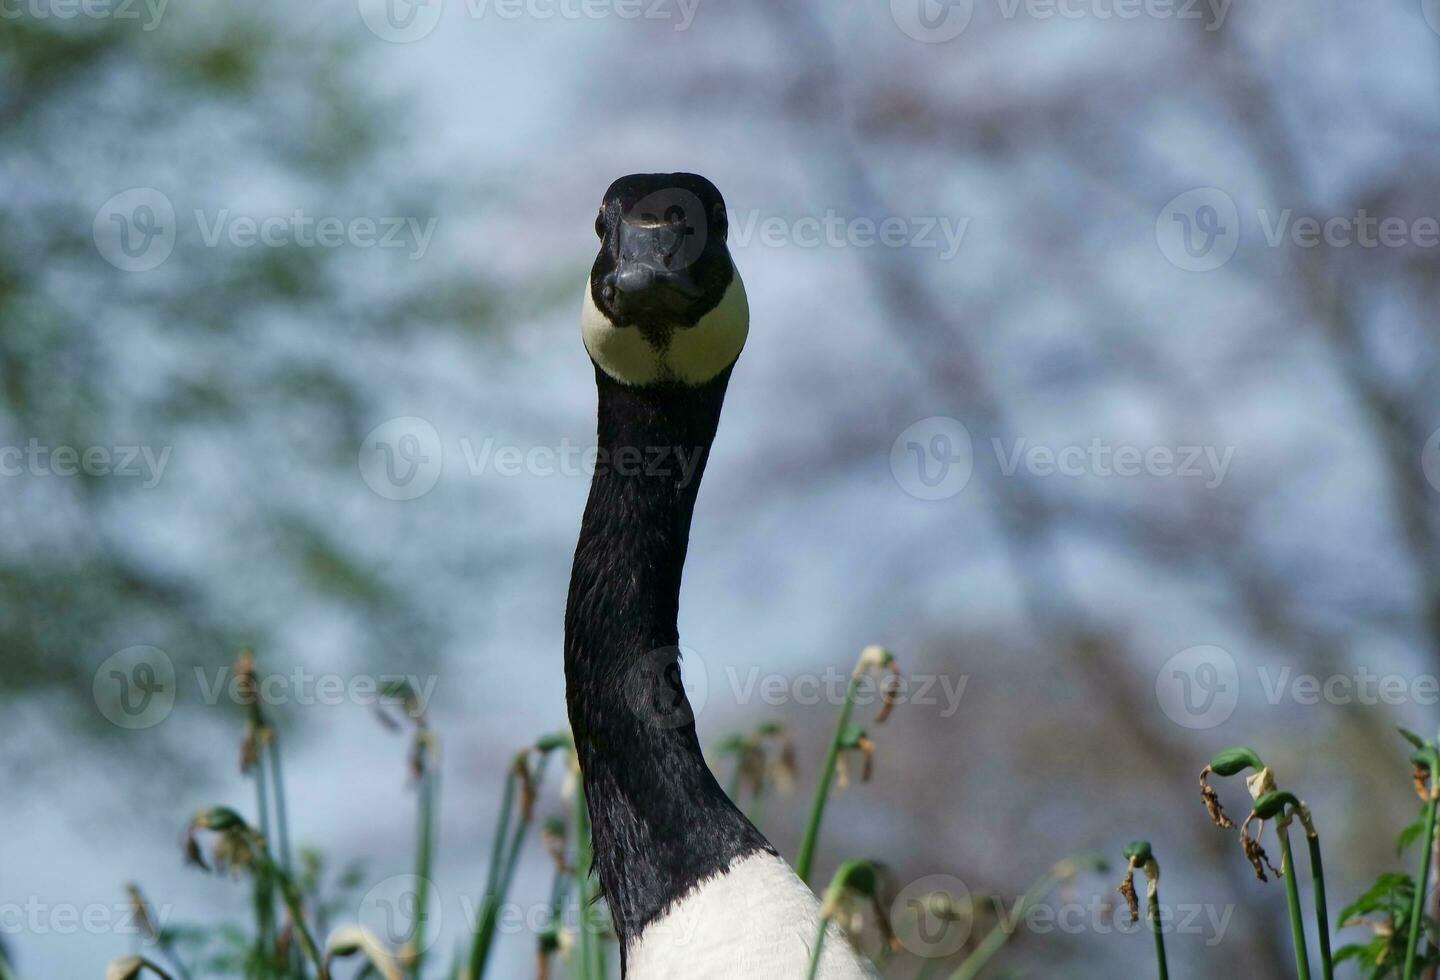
{"points": [[1408, 836], [1228, 762], [1411, 737], [1380, 897]]}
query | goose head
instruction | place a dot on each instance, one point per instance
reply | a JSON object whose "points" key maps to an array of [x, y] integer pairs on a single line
{"points": [[664, 304]]}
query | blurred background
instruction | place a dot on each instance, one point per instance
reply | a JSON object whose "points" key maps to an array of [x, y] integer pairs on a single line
{"points": [[1092, 370]]}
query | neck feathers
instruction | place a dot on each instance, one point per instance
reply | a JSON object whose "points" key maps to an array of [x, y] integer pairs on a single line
{"points": [[661, 822]]}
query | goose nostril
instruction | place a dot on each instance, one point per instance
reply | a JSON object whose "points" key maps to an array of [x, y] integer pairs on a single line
{"points": [[634, 278]]}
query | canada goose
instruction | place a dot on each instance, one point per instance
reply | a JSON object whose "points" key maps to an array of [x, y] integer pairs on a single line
{"points": [[695, 891]]}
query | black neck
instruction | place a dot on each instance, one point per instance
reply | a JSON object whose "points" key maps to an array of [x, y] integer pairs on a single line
{"points": [[660, 821]]}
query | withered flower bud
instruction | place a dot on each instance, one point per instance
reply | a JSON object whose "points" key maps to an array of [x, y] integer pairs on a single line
{"points": [[1212, 802]]}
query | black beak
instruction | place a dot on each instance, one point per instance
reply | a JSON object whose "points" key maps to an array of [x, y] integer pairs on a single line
{"points": [[652, 274]]}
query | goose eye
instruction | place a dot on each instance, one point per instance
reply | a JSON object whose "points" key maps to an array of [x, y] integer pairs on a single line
{"points": [[600, 224]]}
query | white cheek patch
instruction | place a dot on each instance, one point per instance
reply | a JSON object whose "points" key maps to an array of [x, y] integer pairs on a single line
{"points": [[693, 355]]}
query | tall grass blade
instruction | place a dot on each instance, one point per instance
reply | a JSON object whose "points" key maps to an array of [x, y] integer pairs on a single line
{"points": [[871, 658], [428, 790], [1292, 899], [1000, 934], [1422, 881]]}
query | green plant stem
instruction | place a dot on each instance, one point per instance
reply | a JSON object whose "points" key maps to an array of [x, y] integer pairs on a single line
{"points": [[490, 900], [282, 829], [501, 873], [998, 936], [806, 856], [291, 896], [1322, 913], [1422, 884], [168, 948], [1153, 914], [424, 860], [264, 887], [517, 840], [1292, 898], [282, 825], [583, 960], [153, 967], [927, 969]]}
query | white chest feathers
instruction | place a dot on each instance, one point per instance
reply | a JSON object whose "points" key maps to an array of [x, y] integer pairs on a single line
{"points": [[692, 355], [757, 920]]}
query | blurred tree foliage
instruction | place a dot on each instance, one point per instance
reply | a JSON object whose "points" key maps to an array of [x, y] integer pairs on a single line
{"points": [[250, 364]]}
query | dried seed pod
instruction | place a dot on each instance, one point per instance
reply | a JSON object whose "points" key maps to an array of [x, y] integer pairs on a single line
{"points": [[1127, 889], [1257, 857], [219, 818], [879, 661], [141, 910], [1138, 854], [528, 790], [349, 940], [124, 968], [785, 768], [1212, 802], [552, 836], [246, 686]]}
